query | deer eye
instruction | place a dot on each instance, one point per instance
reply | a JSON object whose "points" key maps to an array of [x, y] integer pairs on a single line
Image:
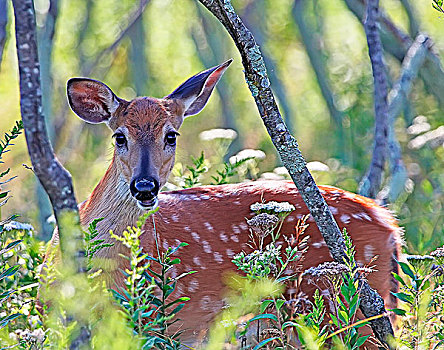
{"points": [[120, 140], [170, 138]]}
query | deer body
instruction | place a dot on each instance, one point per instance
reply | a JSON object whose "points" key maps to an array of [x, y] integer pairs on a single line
{"points": [[210, 218]]}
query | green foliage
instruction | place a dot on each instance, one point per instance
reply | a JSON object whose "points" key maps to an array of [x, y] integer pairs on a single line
{"points": [[92, 244], [147, 297], [437, 5], [195, 171], [229, 170], [421, 299]]}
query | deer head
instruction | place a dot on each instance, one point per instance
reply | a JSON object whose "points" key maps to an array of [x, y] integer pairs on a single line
{"points": [[144, 129]]}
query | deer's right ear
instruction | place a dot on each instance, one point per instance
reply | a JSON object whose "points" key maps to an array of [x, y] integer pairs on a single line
{"points": [[91, 100]]}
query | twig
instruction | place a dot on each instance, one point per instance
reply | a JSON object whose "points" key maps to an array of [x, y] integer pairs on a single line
{"points": [[396, 42], [412, 63], [134, 17], [256, 76], [371, 183]]}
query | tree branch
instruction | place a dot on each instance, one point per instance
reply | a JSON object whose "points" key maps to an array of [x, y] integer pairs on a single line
{"points": [[410, 66], [288, 149], [371, 183], [396, 42], [134, 17]]}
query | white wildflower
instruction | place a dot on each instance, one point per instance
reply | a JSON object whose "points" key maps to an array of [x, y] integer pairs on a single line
{"points": [[248, 153], [317, 166], [272, 207], [212, 134], [15, 225]]}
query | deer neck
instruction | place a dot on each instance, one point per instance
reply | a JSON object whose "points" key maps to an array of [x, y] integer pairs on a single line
{"points": [[112, 201]]}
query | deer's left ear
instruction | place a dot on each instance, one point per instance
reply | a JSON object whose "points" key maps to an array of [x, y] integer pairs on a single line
{"points": [[194, 92]]}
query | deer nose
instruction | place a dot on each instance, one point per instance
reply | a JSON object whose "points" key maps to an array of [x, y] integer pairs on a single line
{"points": [[144, 189]]}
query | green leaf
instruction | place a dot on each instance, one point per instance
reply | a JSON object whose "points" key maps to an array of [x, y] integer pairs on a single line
{"points": [[406, 269], [399, 312], [265, 304], [361, 341], [404, 297], [9, 272], [10, 246], [5, 320], [399, 278], [263, 342], [264, 316], [279, 303]]}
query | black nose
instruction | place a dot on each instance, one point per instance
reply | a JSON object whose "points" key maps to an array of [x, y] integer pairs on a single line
{"points": [[144, 189]]}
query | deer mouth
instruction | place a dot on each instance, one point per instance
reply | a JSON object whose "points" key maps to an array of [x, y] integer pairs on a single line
{"points": [[148, 204]]}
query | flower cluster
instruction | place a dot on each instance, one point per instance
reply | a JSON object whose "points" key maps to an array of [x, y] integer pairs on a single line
{"points": [[258, 263], [263, 223], [326, 270], [213, 134], [272, 208]]}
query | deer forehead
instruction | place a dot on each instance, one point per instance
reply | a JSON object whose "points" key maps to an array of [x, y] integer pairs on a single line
{"points": [[149, 117]]}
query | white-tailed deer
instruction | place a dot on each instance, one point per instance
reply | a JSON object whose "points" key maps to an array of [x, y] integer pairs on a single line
{"points": [[210, 218]]}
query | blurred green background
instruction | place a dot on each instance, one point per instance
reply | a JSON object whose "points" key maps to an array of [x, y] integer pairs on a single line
{"points": [[174, 39]]}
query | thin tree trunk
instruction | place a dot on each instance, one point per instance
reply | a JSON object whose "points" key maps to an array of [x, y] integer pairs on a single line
{"points": [[397, 97], [55, 179], [371, 183], [46, 44], [396, 42], [288, 149]]}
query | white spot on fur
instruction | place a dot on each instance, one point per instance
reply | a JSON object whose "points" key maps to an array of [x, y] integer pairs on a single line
{"points": [[204, 197], [369, 252], [243, 227], [319, 244], [195, 236], [175, 217], [237, 203], [165, 220], [235, 229], [193, 286], [205, 302], [165, 244], [223, 236], [206, 247], [230, 253], [197, 261], [218, 257], [187, 228], [333, 210], [218, 195], [290, 219], [234, 238], [345, 218], [208, 226]]}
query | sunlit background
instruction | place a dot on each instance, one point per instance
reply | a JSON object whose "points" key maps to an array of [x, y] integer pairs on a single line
{"points": [[174, 39]]}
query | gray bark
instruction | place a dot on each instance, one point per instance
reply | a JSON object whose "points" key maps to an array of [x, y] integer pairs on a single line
{"points": [[396, 42], [397, 97], [371, 183], [45, 45], [288, 149], [55, 179]]}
